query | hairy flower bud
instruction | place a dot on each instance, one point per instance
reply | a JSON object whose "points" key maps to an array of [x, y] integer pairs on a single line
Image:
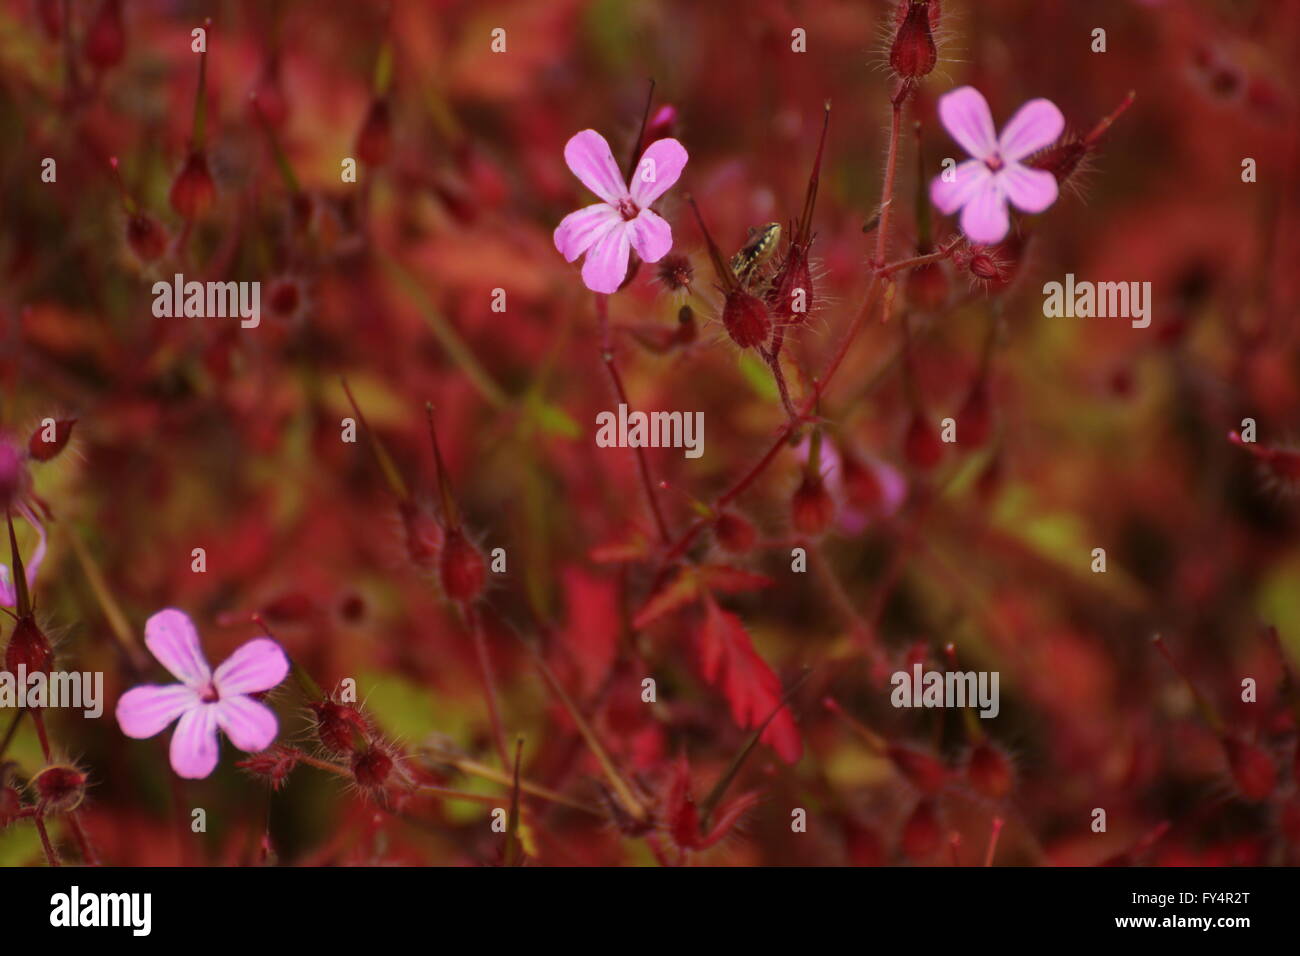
{"points": [[372, 767], [790, 296], [734, 533], [194, 190], [1252, 768], [42, 450], [461, 568], [106, 39], [811, 507], [913, 54], [59, 788], [273, 765], [338, 726], [28, 647], [745, 318], [989, 771]]}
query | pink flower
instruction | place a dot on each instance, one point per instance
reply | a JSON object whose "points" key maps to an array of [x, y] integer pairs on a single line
{"points": [[8, 590], [981, 186], [204, 700], [607, 231]]}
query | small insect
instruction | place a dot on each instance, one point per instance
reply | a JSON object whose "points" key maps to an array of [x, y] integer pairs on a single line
{"points": [[758, 248]]}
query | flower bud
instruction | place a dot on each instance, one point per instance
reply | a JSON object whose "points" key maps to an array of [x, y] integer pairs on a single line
{"points": [[338, 726], [1252, 768], [734, 533], [194, 190], [461, 568], [791, 294], [375, 139], [60, 788], [145, 237], [372, 767], [922, 834], [42, 450], [28, 647], [662, 125], [811, 508], [922, 770], [912, 54], [745, 318], [273, 765], [921, 444], [989, 771], [106, 39]]}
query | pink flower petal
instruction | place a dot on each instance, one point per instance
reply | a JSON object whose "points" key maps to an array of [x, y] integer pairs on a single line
{"points": [[1036, 125], [606, 265], [984, 218], [968, 178], [256, 666], [1032, 190], [660, 166], [171, 637], [579, 231], [194, 742], [147, 710], [589, 158], [650, 236], [966, 117], [251, 726]]}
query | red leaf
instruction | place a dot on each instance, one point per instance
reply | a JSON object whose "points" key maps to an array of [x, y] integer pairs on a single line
{"points": [[676, 594], [729, 580], [751, 687]]}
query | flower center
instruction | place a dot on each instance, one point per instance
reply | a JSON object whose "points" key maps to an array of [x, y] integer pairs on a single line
{"points": [[627, 209], [209, 694], [994, 163]]}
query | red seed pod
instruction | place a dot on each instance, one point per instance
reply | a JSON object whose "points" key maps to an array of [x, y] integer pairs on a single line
{"points": [[50, 438], [461, 568], [811, 507], [145, 237], [975, 420], [921, 444], [734, 533], [913, 54], [28, 647], [745, 318], [59, 788], [106, 39], [1252, 768], [922, 770], [989, 771], [790, 297], [338, 726], [194, 190], [372, 767], [922, 834], [375, 139]]}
